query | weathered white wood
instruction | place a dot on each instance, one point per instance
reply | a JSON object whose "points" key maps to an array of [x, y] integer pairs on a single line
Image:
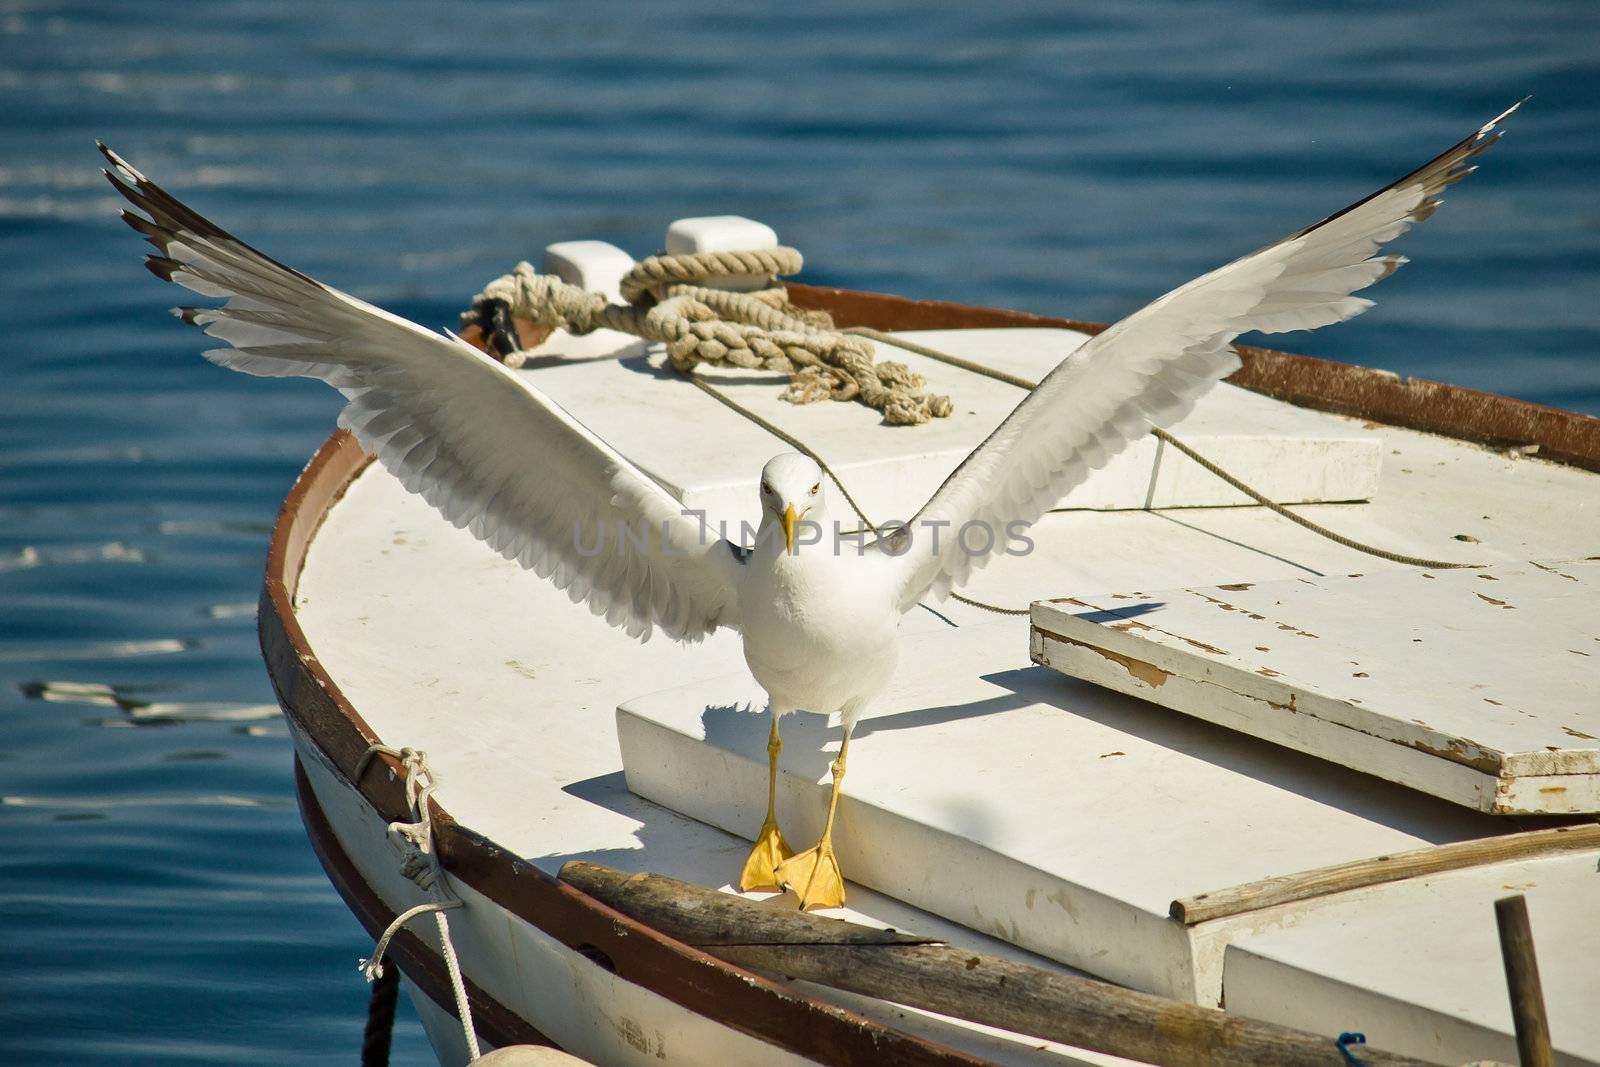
{"points": [[586, 1009], [1291, 454], [1416, 965], [1061, 817], [1024, 1000], [512, 689], [1473, 685]]}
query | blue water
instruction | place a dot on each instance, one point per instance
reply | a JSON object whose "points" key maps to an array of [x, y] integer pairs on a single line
{"points": [[158, 903]]}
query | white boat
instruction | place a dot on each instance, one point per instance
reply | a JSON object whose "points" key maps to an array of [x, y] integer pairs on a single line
{"points": [[1323, 853], [1234, 759]]}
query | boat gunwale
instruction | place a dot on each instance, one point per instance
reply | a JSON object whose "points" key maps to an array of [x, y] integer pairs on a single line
{"points": [[494, 1022], [725, 993], [1565, 437]]}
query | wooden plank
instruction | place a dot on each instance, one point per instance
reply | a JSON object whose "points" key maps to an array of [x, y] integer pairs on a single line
{"points": [[1342, 877], [1488, 670], [1416, 964], [1061, 817], [1522, 979], [1073, 1010], [1137, 672]]}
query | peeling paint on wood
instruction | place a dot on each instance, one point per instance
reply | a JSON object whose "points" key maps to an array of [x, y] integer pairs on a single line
{"points": [[1418, 660], [1150, 675]]}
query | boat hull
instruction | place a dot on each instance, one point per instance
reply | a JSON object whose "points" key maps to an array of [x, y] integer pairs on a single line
{"points": [[552, 965]]}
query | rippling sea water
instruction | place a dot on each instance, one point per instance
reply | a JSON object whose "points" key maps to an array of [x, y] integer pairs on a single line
{"points": [[158, 902]]}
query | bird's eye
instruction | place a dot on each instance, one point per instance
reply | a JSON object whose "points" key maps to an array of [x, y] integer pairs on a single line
{"points": [[766, 489], [816, 487]]}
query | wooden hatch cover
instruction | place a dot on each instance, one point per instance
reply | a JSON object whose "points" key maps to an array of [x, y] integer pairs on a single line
{"points": [[1474, 685]]}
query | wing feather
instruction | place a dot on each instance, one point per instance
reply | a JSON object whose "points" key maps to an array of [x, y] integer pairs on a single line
{"points": [[1149, 369], [477, 442]]}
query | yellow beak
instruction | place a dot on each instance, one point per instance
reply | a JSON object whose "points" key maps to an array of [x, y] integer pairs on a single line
{"points": [[790, 517]]}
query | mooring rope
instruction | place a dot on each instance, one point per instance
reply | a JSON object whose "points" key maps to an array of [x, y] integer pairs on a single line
{"points": [[699, 324], [423, 868], [378, 1034], [653, 273], [761, 329]]}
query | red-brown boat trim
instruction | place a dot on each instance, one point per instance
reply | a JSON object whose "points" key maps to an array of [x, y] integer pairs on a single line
{"points": [[698, 982], [1323, 385]]}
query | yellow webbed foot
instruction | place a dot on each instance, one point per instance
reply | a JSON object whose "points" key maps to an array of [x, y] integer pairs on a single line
{"points": [[814, 876], [761, 869]]}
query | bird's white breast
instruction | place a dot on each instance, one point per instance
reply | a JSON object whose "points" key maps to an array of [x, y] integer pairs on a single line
{"points": [[820, 628]]}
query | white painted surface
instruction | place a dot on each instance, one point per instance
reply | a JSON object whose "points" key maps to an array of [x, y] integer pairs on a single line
{"points": [[719, 233], [1291, 454], [593, 265], [586, 1009], [723, 233], [592, 1012], [1474, 685], [1416, 965], [512, 689], [441, 1026], [1053, 814], [529, 1056]]}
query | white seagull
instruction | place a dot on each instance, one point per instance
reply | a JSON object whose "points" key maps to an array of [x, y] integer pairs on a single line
{"points": [[819, 626]]}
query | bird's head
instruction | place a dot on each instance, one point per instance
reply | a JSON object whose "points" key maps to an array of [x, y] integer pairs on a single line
{"points": [[791, 490]]}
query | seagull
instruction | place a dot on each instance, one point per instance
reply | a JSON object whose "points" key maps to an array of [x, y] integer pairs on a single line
{"points": [[819, 624]]}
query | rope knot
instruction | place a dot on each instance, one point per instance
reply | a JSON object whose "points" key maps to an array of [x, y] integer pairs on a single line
{"points": [[421, 865], [669, 302]]}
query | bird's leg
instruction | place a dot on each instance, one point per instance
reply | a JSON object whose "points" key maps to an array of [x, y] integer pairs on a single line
{"points": [[761, 869], [814, 873]]}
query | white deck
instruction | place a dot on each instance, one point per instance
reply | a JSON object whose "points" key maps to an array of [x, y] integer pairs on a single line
{"points": [[1478, 686], [1052, 813], [512, 690], [1416, 964], [716, 457]]}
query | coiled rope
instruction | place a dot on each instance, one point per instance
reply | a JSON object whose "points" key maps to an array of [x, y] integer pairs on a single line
{"points": [[422, 867], [699, 324], [762, 329]]}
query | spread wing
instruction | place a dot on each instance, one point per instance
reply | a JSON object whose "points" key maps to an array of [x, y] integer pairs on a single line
{"points": [[481, 445], [1149, 369]]}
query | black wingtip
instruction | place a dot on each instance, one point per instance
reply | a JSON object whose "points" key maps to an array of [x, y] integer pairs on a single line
{"points": [[115, 175], [162, 267]]}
